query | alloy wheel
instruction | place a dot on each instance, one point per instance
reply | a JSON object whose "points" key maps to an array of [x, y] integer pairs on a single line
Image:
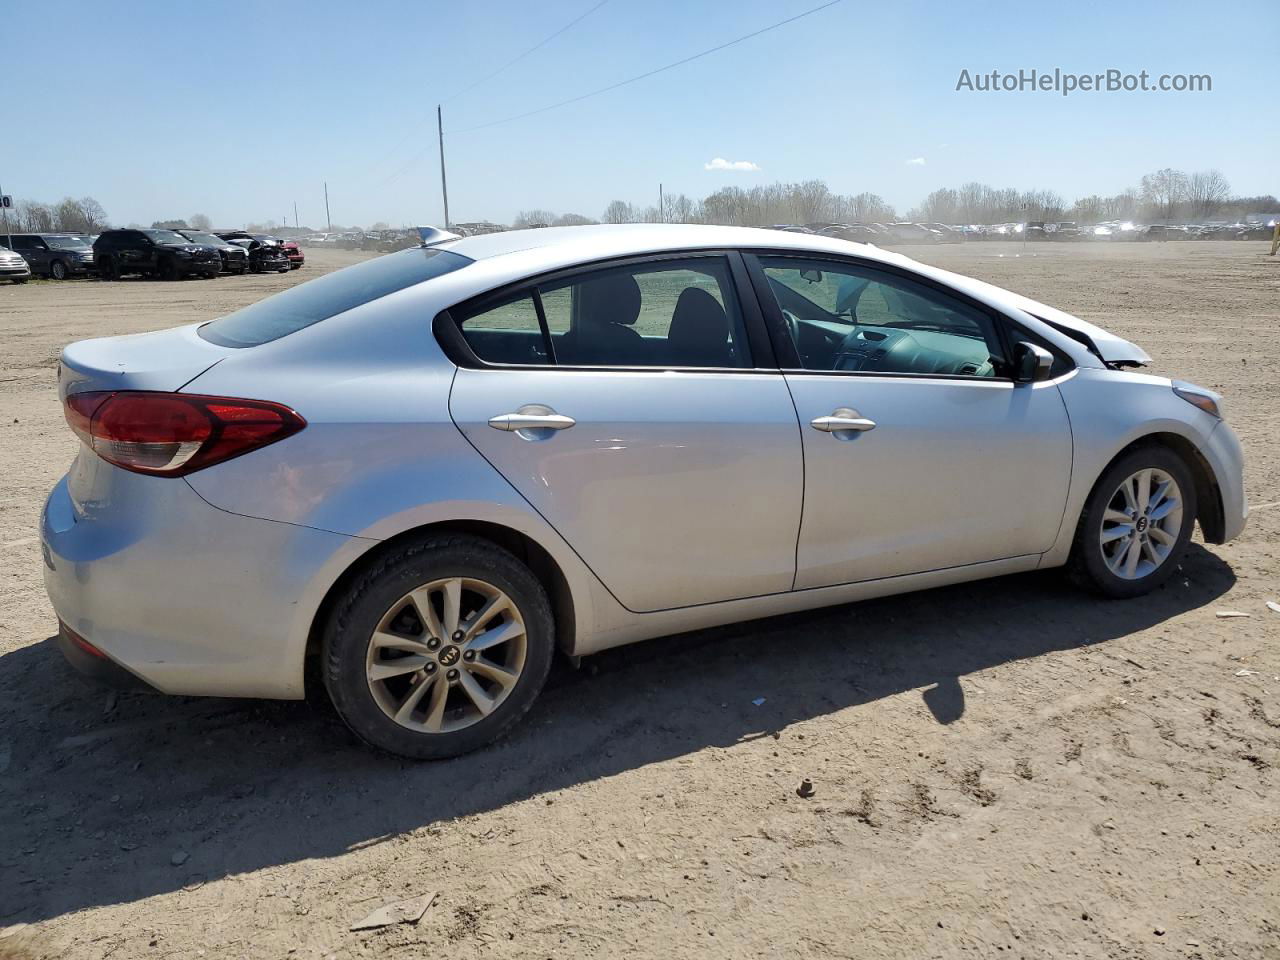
{"points": [[1141, 524], [446, 655]]}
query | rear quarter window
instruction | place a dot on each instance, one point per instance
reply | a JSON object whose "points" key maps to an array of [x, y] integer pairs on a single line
{"points": [[327, 296]]}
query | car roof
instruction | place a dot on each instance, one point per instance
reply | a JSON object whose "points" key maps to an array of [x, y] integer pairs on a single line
{"points": [[548, 246]]}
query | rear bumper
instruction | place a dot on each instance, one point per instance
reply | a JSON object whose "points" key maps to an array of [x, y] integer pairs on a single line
{"points": [[187, 598], [97, 666]]}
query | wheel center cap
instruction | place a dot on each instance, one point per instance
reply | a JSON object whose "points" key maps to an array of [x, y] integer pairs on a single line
{"points": [[1142, 525], [449, 655]]}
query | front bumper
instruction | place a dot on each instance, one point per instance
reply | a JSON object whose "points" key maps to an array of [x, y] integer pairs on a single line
{"points": [[8, 273], [187, 598], [1226, 458]]}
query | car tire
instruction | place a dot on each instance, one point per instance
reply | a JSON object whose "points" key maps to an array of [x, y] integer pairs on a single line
{"points": [[169, 270], [21, 279], [447, 717], [58, 270], [108, 269], [1125, 544]]}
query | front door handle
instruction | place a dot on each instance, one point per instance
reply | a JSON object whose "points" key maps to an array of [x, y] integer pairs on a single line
{"points": [[512, 422], [846, 418]]}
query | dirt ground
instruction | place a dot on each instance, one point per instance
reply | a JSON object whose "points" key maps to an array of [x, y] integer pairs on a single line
{"points": [[1007, 768]]}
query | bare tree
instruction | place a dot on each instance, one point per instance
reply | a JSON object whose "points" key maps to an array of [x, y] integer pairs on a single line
{"points": [[870, 208], [1207, 191], [199, 221], [532, 218], [95, 218], [572, 220], [1088, 209], [34, 217], [1163, 190], [619, 211]]}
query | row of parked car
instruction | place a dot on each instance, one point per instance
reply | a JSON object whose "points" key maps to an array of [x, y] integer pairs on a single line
{"points": [[886, 234], [167, 254], [381, 241]]}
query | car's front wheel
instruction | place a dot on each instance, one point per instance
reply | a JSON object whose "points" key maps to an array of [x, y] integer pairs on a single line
{"points": [[1136, 524], [58, 270], [439, 648]]}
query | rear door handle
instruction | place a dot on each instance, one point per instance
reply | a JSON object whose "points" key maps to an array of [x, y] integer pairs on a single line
{"points": [[841, 420], [512, 422]]}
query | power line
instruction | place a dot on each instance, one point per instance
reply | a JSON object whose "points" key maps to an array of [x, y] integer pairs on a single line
{"points": [[650, 73], [533, 49], [414, 129]]}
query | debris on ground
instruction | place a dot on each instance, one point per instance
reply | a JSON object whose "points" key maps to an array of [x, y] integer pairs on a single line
{"points": [[805, 789], [1273, 606], [758, 702], [179, 857], [402, 911], [1230, 614]]}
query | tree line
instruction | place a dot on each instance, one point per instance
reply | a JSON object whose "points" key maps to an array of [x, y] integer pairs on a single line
{"points": [[1166, 194], [68, 216]]}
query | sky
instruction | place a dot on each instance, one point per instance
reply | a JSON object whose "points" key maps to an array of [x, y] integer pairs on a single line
{"points": [[161, 110]]}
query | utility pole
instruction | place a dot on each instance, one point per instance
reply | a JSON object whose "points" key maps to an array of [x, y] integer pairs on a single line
{"points": [[295, 214], [444, 185], [327, 219], [8, 240], [662, 213]]}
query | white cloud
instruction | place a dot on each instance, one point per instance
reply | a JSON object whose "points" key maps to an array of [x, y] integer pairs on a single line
{"points": [[720, 163], [916, 162]]}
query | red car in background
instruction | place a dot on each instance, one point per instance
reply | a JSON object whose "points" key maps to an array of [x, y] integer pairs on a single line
{"points": [[294, 252]]}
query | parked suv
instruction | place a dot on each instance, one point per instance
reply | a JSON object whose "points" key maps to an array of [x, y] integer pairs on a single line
{"points": [[235, 258], [56, 255], [153, 253], [13, 267]]}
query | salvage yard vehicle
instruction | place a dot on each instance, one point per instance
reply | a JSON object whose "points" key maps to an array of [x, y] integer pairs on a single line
{"points": [[153, 253], [294, 254], [265, 252], [235, 258], [423, 474], [13, 267], [55, 255]]}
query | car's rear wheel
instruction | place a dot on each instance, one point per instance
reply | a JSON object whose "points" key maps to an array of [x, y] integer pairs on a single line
{"points": [[169, 269], [439, 648], [1136, 524], [58, 270]]}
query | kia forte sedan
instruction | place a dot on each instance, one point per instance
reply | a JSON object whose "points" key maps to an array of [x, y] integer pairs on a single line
{"points": [[424, 474]]}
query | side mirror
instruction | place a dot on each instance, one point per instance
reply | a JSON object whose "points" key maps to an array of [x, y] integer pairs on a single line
{"points": [[1031, 363]]}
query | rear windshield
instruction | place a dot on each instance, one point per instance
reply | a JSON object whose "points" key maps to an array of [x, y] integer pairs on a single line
{"points": [[328, 296]]}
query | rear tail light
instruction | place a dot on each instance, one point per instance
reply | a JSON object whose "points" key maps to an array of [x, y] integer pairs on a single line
{"points": [[171, 434]]}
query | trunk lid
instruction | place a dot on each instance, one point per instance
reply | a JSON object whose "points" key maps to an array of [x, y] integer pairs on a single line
{"points": [[164, 360]]}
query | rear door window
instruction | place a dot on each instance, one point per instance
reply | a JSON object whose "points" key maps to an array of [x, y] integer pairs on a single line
{"points": [[665, 313], [328, 296]]}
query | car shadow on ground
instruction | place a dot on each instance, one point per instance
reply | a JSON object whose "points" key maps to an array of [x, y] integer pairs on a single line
{"points": [[102, 797]]}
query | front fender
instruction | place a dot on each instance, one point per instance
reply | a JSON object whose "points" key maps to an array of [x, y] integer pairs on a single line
{"points": [[1109, 412]]}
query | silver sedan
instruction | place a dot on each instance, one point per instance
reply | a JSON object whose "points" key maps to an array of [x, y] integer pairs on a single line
{"points": [[427, 472]]}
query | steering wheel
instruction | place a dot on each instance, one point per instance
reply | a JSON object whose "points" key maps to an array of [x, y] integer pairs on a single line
{"points": [[793, 327]]}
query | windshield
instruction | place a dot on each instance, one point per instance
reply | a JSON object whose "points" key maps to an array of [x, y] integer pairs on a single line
{"points": [[166, 236], [328, 296], [196, 236], [66, 243]]}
